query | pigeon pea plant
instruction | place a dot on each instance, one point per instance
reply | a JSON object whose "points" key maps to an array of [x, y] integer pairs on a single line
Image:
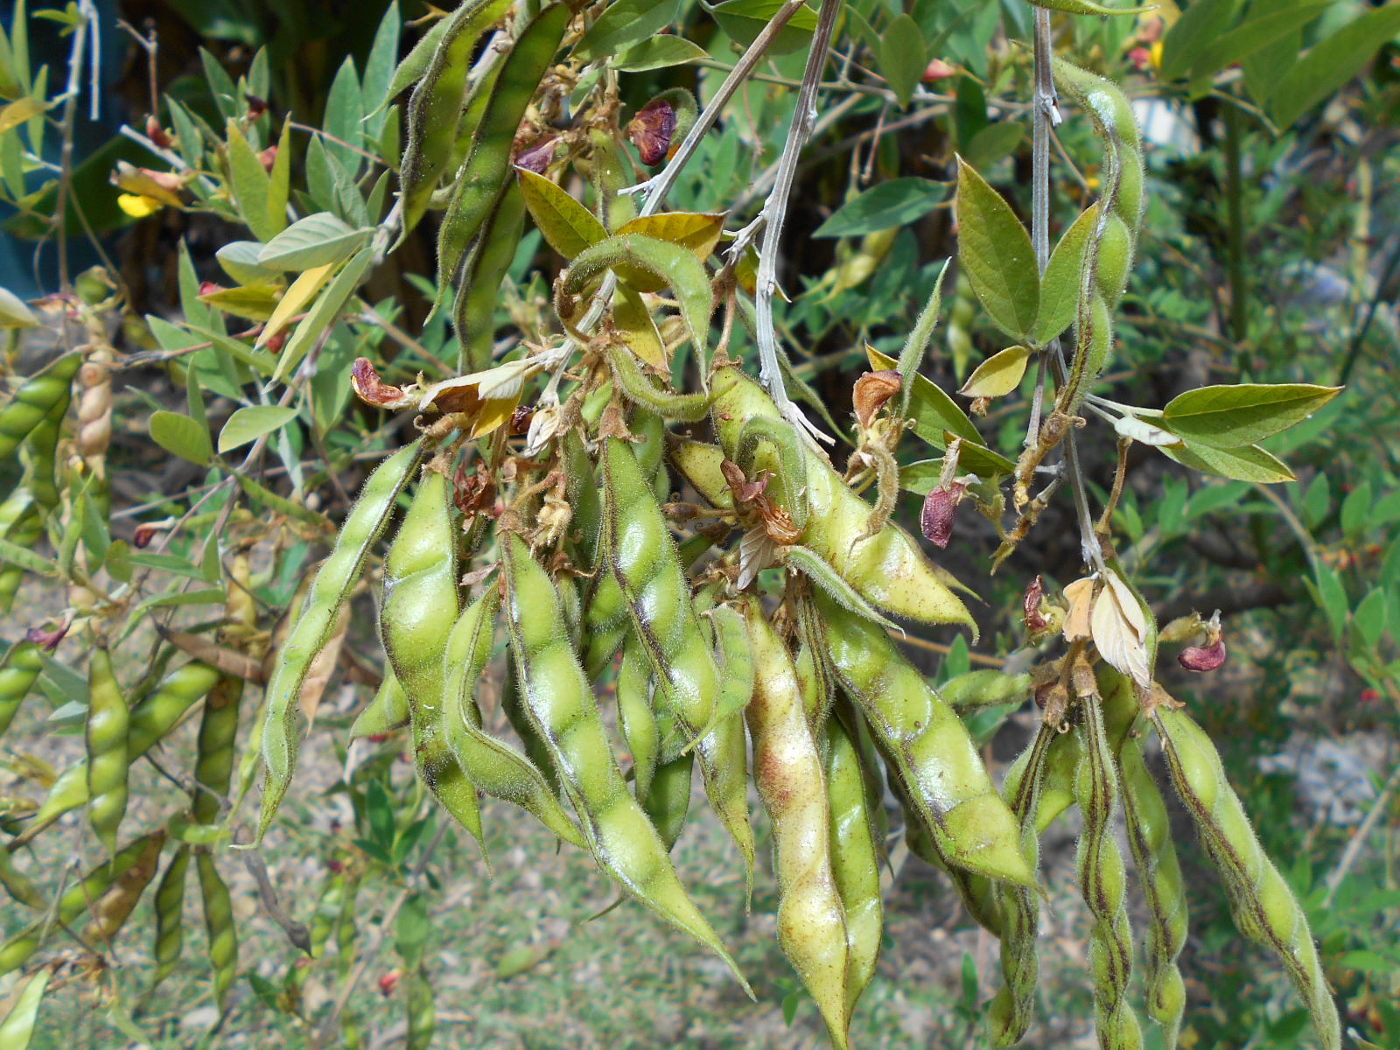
{"points": [[610, 488]]}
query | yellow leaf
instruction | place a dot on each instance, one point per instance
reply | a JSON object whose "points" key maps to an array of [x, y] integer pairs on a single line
{"points": [[299, 296], [998, 375], [256, 302], [16, 113], [567, 225], [698, 231], [637, 328]]}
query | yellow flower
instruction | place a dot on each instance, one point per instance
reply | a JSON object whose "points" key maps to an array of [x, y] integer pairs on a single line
{"points": [[137, 205]]}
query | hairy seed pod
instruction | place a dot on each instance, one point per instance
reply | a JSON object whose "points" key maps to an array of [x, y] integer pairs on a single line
{"points": [[1103, 883], [635, 717], [1115, 259], [76, 900], [386, 712], [788, 773], [106, 737], [170, 915], [1149, 838], [150, 720], [888, 570], [109, 912], [219, 926], [479, 290], [930, 749], [320, 612], [668, 802], [639, 552], [19, 669], [25, 532], [1010, 1011], [723, 751], [555, 695], [418, 612], [855, 860], [492, 765], [39, 452], [34, 400], [1264, 907], [18, 885], [218, 733]]}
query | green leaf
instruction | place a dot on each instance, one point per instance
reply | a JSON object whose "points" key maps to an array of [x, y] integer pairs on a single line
{"points": [[743, 20], [17, 1028], [240, 261], [1332, 597], [1332, 63], [1199, 25], [999, 374], [1253, 35], [313, 241], [567, 225], [248, 424], [996, 254], [903, 57], [659, 52], [324, 313], [895, 203], [1087, 7], [182, 436], [933, 411], [1369, 618], [912, 356], [252, 187], [1356, 508], [14, 312], [1248, 463], [623, 24], [345, 112], [1059, 285], [993, 143], [1243, 414]]}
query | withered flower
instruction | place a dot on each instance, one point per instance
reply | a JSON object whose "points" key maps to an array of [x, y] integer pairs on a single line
{"points": [[940, 512], [651, 130], [872, 391]]}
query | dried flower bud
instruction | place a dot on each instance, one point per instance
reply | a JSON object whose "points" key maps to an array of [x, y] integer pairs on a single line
{"points": [[158, 134], [938, 70], [268, 157], [471, 492], [146, 532], [209, 287], [1139, 58], [872, 391], [940, 511], [520, 420], [49, 638], [372, 390], [1035, 594], [745, 491], [537, 156], [389, 982], [651, 130], [256, 106], [1202, 658]]}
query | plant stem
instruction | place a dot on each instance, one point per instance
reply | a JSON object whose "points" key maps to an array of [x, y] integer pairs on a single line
{"points": [[1234, 233], [775, 214]]}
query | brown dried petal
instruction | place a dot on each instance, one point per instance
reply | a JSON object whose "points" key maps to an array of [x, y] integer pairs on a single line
{"points": [[49, 639], [158, 134], [536, 157], [745, 491], [940, 512], [778, 523], [146, 532], [651, 130], [372, 390], [1203, 658], [1035, 619], [871, 392]]}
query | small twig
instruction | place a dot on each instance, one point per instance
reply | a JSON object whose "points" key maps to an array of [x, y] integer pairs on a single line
{"points": [[1119, 477], [296, 932], [775, 214], [944, 650], [1353, 850]]}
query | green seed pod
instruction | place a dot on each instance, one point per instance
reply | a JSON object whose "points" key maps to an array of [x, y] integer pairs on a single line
{"points": [[929, 748], [1103, 884], [788, 772], [106, 737], [18, 885], [34, 400], [218, 732], [1115, 259], [385, 713], [151, 719], [1010, 1011], [319, 613], [18, 671], [40, 451], [436, 104], [108, 913], [1154, 853], [556, 696], [492, 765], [639, 552], [635, 717], [78, 898], [480, 287], [668, 801], [418, 612], [25, 532], [487, 168], [219, 926], [985, 688], [855, 861], [1264, 907], [888, 570], [170, 916]]}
